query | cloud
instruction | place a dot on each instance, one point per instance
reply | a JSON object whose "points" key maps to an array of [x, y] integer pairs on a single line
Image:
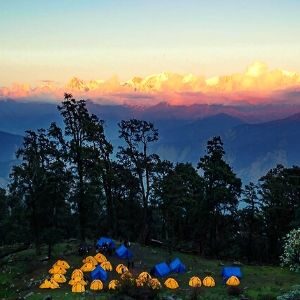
{"points": [[258, 84]]}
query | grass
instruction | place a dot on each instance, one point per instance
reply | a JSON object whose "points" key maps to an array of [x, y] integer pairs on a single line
{"points": [[21, 273]]}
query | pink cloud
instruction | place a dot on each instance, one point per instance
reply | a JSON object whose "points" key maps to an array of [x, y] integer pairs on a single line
{"points": [[257, 84]]}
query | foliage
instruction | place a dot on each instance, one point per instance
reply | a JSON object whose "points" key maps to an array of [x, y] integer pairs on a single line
{"points": [[130, 289], [71, 183], [280, 193], [291, 253], [222, 191], [294, 294], [136, 157]]}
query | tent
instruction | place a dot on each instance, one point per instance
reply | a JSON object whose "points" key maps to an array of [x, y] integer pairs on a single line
{"points": [[177, 266], [106, 241], [123, 252], [231, 271], [99, 273], [161, 270]]}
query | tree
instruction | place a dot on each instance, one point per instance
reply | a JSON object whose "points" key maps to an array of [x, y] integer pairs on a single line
{"points": [[280, 192], [28, 180], [125, 192], [56, 206], [251, 220], [135, 155], [291, 250], [102, 150], [222, 191], [4, 210], [88, 156], [178, 193], [40, 182]]}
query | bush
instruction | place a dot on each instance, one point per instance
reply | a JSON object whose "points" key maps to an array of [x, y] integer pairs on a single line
{"points": [[294, 294], [291, 253], [128, 288]]}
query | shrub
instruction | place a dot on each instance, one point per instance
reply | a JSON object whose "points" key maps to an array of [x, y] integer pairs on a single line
{"points": [[128, 288], [294, 294], [291, 252]]}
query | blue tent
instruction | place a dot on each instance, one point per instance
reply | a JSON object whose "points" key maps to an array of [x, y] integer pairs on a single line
{"points": [[161, 270], [231, 271], [99, 273], [104, 240], [123, 252], [177, 266]]}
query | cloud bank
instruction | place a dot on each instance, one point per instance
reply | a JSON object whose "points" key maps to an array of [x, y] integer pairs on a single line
{"points": [[258, 84]]}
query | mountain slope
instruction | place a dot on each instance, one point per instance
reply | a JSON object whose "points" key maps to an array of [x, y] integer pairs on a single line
{"points": [[252, 149], [255, 148]]}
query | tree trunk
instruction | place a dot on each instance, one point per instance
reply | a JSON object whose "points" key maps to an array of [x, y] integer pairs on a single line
{"points": [[109, 200], [36, 230], [49, 249], [81, 206]]}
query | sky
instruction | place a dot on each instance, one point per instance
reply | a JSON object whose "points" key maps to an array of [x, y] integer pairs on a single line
{"points": [[59, 39]]}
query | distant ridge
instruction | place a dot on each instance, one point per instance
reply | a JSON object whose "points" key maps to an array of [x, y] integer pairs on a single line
{"points": [[255, 138]]}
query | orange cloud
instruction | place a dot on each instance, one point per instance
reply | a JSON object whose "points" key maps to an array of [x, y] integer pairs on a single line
{"points": [[258, 84]]}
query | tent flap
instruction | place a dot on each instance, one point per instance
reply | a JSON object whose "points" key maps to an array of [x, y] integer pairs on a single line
{"points": [[161, 270], [106, 241], [99, 273], [123, 252], [231, 271], [177, 266]]}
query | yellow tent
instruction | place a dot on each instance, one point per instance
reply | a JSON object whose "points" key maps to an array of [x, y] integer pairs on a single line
{"points": [[88, 267], [233, 281], [78, 288], [126, 275], [57, 270], [77, 280], [90, 259], [62, 263], [106, 265], [47, 284], [55, 285], [155, 284], [195, 282], [113, 284], [171, 283], [208, 281], [144, 276], [139, 282], [59, 278], [100, 258], [77, 273], [121, 269], [96, 285]]}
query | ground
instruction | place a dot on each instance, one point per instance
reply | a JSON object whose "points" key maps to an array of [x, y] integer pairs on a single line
{"points": [[22, 272]]}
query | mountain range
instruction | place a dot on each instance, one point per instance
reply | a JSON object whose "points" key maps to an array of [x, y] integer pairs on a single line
{"points": [[257, 84], [255, 138]]}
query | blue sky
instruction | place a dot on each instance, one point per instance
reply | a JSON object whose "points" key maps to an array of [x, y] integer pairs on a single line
{"points": [[59, 39]]}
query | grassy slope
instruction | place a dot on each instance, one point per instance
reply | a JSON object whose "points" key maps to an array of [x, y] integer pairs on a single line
{"points": [[19, 270]]}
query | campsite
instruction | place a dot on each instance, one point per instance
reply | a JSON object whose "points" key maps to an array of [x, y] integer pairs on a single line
{"points": [[80, 221], [149, 150], [22, 274]]}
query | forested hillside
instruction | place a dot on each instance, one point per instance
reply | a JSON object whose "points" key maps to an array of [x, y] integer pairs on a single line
{"points": [[69, 184]]}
